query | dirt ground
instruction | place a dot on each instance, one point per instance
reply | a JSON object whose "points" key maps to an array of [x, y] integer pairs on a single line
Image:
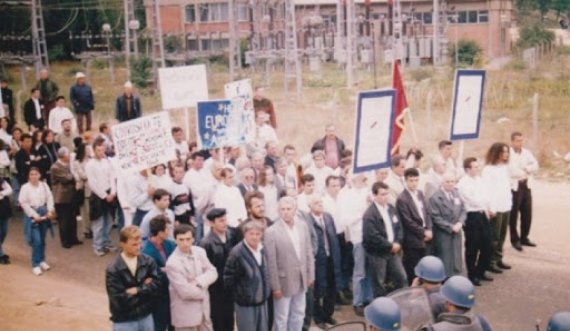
{"points": [[72, 295]]}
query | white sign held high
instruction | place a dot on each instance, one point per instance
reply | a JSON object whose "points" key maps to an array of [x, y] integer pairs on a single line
{"points": [[144, 142], [182, 87]]}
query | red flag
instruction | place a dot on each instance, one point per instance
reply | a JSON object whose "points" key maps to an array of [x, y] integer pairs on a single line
{"points": [[401, 107]]}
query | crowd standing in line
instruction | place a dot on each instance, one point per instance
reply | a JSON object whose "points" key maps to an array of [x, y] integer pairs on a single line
{"points": [[256, 232]]}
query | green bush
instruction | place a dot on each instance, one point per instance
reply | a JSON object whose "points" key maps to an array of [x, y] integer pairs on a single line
{"points": [[468, 51], [534, 35], [141, 71], [57, 53]]}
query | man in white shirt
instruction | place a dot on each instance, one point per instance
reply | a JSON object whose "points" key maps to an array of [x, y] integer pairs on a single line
{"points": [[477, 228], [161, 201], [58, 114], [319, 170], [308, 189], [446, 151], [180, 144], [101, 181], [141, 192], [522, 165], [395, 180], [263, 131]]}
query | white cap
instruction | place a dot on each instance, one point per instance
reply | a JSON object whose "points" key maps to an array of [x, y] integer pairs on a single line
{"points": [[79, 75], [128, 85]]}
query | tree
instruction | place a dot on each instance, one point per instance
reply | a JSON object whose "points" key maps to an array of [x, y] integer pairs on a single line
{"points": [[534, 35], [468, 52]]}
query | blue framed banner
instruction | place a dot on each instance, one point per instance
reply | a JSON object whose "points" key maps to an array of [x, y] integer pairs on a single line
{"points": [[212, 119], [467, 104], [373, 134]]}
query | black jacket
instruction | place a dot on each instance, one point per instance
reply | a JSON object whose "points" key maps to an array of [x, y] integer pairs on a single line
{"points": [[374, 235], [30, 114], [121, 108], [218, 253], [245, 279], [118, 279], [411, 220]]}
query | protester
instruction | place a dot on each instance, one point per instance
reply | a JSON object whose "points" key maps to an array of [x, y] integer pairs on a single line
{"points": [[81, 97], [228, 196], [396, 179], [128, 105], [36, 200], [132, 284], [263, 104], [63, 186], [48, 93], [5, 214], [67, 136], [7, 99], [58, 114], [33, 111], [190, 274], [332, 147], [159, 248], [161, 202]]}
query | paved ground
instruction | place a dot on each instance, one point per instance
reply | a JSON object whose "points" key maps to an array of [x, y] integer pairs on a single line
{"points": [[72, 295]]}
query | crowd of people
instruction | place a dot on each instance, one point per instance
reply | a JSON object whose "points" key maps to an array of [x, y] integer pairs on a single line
{"points": [[256, 232]]}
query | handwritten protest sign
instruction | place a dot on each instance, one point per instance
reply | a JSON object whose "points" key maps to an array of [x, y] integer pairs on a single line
{"points": [[182, 87], [144, 142], [243, 122]]}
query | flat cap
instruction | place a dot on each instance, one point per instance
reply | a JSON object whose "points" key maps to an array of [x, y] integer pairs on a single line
{"points": [[215, 213]]}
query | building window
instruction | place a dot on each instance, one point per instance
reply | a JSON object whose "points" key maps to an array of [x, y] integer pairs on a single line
{"points": [[243, 12], [472, 16], [190, 12], [428, 18], [204, 12], [192, 45], [462, 17], [205, 44], [483, 16], [219, 44], [214, 12]]}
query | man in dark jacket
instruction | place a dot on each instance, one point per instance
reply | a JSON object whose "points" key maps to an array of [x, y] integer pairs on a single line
{"points": [[24, 158], [327, 262], [159, 248], [414, 214], [33, 111], [382, 240], [132, 284], [246, 277], [48, 92], [81, 96], [218, 244], [128, 105], [8, 99], [332, 145]]}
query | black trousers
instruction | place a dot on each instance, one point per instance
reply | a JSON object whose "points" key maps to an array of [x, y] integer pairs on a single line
{"points": [[324, 302], [411, 258], [478, 246], [67, 223], [346, 262], [222, 312], [522, 202], [309, 308], [383, 270]]}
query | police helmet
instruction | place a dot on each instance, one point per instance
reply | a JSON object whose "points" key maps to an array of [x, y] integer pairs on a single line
{"points": [[559, 322], [459, 291], [384, 314], [430, 268]]}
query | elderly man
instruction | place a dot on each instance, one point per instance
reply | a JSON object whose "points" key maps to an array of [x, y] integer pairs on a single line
{"points": [[128, 105], [247, 181], [291, 266], [246, 276], [48, 92], [327, 262], [395, 180], [63, 188], [332, 145], [132, 284], [81, 96], [190, 273], [67, 136], [448, 216]]}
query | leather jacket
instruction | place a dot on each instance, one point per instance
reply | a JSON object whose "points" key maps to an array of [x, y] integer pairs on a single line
{"points": [[118, 279]]}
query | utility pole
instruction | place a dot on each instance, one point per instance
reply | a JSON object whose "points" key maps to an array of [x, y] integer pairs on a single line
{"points": [[131, 42], [292, 62], [234, 41], [157, 41], [39, 37], [398, 46], [350, 43]]}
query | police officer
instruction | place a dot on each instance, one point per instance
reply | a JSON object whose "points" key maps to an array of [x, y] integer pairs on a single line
{"points": [[559, 322], [459, 293], [383, 314], [430, 273]]}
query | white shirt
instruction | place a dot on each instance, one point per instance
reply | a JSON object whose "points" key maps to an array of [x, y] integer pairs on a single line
{"points": [[6, 137], [164, 182], [32, 197], [145, 223], [271, 199], [396, 186], [294, 235], [230, 198], [175, 190], [139, 192], [5, 190], [37, 107], [182, 149], [332, 206], [522, 166], [302, 204], [256, 252], [57, 115], [4, 159], [101, 177], [264, 133], [497, 182], [320, 175], [473, 193], [201, 186], [353, 203], [387, 221], [419, 205]]}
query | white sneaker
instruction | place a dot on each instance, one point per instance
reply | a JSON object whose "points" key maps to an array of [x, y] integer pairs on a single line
{"points": [[37, 271], [100, 253], [44, 266]]}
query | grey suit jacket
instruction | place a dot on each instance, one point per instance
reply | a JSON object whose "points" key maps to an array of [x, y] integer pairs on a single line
{"points": [[287, 272], [444, 212]]}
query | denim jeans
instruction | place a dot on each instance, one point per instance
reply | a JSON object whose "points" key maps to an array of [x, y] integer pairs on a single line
{"points": [[35, 233], [138, 217], [101, 228], [143, 324], [290, 312], [3, 231], [361, 288]]}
